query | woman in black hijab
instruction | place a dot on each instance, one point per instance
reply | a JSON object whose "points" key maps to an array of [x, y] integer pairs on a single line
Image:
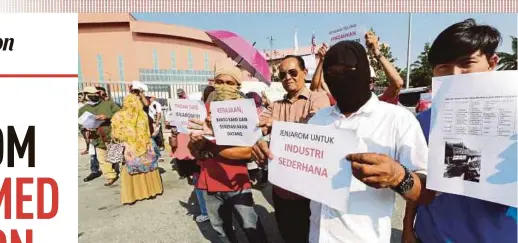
{"points": [[347, 74]]}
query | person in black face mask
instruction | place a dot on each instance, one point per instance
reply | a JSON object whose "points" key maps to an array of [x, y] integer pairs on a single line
{"points": [[347, 73], [390, 155]]}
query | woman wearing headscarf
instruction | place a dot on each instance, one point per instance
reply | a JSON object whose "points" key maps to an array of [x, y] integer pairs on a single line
{"points": [[140, 178]]}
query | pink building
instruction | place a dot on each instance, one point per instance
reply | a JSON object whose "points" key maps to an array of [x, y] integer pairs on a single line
{"points": [[117, 47]]}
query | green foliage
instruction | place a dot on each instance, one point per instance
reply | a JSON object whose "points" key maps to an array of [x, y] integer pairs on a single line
{"points": [[421, 71], [508, 61]]}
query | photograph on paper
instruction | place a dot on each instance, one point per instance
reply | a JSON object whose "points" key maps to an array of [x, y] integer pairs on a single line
{"points": [[461, 161]]}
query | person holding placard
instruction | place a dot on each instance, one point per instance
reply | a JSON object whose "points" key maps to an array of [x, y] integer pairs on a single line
{"points": [[291, 210], [81, 101], [462, 48], [100, 137], [391, 93], [395, 158], [224, 177]]}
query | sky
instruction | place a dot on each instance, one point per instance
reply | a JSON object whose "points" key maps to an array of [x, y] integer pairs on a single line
{"points": [[391, 28]]}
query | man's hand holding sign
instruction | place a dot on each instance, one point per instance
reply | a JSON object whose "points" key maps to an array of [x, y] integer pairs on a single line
{"points": [[376, 170], [373, 169]]}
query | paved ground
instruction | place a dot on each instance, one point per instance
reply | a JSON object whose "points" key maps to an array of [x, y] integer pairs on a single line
{"points": [[167, 219]]}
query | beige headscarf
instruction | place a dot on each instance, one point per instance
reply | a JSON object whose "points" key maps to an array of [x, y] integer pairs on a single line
{"points": [[225, 91]]}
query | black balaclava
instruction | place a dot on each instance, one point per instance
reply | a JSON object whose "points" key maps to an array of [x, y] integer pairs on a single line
{"points": [[350, 88]]}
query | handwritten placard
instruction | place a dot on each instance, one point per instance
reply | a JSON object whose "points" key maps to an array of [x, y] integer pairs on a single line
{"points": [[352, 32], [182, 110], [310, 160], [235, 122]]}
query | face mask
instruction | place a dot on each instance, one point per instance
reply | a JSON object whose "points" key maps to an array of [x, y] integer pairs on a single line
{"points": [[226, 92], [94, 98], [348, 90]]}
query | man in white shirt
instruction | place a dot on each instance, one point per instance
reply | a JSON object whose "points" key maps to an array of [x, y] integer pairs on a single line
{"points": [[396, 161], [155, 112]]}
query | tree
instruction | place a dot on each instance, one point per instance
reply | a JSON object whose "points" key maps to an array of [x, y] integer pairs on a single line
{"points": [[508, 61], [380, 74], [421, 71]]}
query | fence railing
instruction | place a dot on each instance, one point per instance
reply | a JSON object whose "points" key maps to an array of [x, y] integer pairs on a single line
{"points": [[163, 91]]}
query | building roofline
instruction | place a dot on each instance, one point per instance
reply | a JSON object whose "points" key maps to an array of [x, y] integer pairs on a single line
{"points": [[138, 26]]}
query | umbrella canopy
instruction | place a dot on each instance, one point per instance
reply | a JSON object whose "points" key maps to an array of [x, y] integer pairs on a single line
{"points": [[242, 52]]}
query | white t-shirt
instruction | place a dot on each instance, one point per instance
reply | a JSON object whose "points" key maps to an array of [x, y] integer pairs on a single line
{"points": [[154, 109], [382, 128]]}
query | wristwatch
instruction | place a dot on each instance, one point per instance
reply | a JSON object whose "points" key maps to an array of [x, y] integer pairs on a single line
{"points": [[378, 56], [406, 184]]}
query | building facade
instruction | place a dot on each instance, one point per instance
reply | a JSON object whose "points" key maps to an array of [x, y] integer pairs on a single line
{"points": [[117, 47]]}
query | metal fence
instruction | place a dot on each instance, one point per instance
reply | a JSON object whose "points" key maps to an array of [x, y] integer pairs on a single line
{"points": [[163, 91]]}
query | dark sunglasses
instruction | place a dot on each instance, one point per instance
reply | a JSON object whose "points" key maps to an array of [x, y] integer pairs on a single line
{"points": [[293, 73]]}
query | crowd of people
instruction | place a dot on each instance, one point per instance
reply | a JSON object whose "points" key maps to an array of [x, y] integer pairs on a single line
{"points": [[341, 93]]}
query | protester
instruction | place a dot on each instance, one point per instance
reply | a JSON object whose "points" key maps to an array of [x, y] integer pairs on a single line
{"points": [[95, 171], [258, 101], [104, 96], [140, 177], [102, 92], [266, 101], [224, 179], [138, 88], [464, 47], [186, 165], [211, 81], [258, 174], [183, 161], [100, 137], [291, 210], [181, 94], [199, 193], [207, 92], [81, 100], [155, 112], [390, 94], [396, 160]]}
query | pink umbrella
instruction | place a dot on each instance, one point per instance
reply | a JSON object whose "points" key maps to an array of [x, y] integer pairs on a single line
{"points": [[243, 52]]}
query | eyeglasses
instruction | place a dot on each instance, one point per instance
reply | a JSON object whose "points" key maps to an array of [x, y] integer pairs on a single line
{"points": [[293, 73]]}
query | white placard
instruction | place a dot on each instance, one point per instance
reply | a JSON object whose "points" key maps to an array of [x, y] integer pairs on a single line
{"points": [[235, 122], [88, 120], [473, 142], [347, 32], [182, 110], [310, 160]]}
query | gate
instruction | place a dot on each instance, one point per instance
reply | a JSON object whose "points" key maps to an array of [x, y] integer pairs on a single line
{"points": [[163, 91]]}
